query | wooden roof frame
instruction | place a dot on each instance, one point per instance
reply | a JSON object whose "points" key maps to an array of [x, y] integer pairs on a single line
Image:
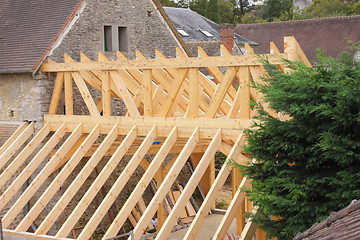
{"points": [[171, 108]]}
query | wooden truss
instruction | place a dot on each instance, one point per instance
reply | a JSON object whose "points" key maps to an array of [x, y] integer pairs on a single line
{"points": [[173, 113]]}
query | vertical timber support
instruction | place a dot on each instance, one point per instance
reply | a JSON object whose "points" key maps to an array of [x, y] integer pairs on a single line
{"points": [[148, 102], [161, 213], [106, 95], [290, 47], [69, 105], [193, 110], [244, 92]]}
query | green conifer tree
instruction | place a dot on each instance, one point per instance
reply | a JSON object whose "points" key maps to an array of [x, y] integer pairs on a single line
{"points": [[307, 166]]}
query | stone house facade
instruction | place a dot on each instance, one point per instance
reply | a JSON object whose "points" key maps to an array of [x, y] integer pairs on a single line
{"points": [[34, 31]]}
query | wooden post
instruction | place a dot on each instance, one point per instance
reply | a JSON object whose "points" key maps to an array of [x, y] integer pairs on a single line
{"points": [[161, 213], [69, 105], [290, 48], [148, 102], [260, 234], [54, 103], [244, 92], [193, 93], [106, 95]]}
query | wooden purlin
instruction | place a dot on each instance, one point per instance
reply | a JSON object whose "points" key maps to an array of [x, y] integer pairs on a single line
{"points": [[175, 89], [173, 111]]}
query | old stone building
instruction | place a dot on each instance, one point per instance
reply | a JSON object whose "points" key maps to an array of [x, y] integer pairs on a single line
{"points": [[32, 31]]}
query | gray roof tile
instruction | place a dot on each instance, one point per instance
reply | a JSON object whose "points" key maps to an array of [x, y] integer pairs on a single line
{"points": [[192, 22], [27, 27]]}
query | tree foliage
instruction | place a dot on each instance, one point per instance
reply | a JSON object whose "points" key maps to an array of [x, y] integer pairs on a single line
{"points": [[274, 9], [307, 166]]}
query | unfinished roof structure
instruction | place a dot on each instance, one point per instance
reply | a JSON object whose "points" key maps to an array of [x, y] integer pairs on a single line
{"points": [[173, 113]]}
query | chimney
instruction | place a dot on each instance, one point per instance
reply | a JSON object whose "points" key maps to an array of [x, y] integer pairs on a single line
{"points": [[227, 36]]}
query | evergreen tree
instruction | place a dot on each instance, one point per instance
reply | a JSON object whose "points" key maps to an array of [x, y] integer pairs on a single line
{"points": [[307, 166]]}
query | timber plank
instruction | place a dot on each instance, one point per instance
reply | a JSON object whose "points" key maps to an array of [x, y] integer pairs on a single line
{"points": [[231, 211]]}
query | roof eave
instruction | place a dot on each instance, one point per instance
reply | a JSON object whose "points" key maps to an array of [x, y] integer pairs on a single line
{"points": [[7, 71]]}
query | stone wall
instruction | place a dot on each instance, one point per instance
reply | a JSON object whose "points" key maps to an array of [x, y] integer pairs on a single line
{"points": [[146, 30]]}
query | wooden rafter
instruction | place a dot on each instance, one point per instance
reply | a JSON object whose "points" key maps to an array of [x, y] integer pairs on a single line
{"points": [[173, 113]]}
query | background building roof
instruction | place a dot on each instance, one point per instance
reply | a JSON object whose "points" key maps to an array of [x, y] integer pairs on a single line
{"points": [[27, 28], [326, 33], [344, 224], [195, 25]]}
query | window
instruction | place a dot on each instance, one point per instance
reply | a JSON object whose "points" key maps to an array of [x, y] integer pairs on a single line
{"points": [[206, 33], [115, 38], [123, 39], [183, 33], [107, 38]]}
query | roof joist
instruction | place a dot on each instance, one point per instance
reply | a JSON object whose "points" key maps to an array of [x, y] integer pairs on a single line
{"points": [[173, 113]]}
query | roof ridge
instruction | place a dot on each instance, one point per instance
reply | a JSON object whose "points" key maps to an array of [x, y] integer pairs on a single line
{"points": [[302, 20]]}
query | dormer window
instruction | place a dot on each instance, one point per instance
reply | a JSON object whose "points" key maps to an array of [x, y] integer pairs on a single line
{"points": [[183, 33], [206, 33]]}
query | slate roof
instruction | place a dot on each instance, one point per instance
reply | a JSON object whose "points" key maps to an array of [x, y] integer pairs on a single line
{"points": [[27, 28], [192, 22], [341, 225], [327, 33]]}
